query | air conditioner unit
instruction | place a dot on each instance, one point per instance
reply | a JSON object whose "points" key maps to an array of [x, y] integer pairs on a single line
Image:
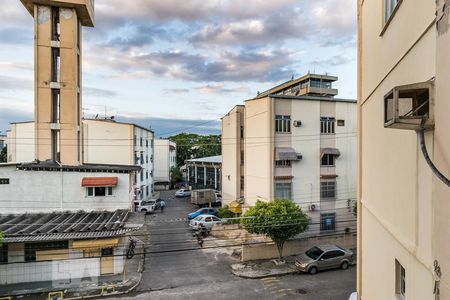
{"points": [[297, 123], [312, 207], [299, 156]]}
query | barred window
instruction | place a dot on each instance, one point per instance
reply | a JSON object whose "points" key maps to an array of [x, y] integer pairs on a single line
{"points": [[282, 163], [327, 125]]}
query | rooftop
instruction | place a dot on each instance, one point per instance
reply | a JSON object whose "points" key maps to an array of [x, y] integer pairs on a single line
{"points": [[210, 159], [53, 226], [52, 166]]}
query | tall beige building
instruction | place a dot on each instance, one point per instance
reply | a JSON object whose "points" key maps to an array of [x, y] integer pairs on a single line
{"points": [[404, 207], [295, 141], [58, 83]]}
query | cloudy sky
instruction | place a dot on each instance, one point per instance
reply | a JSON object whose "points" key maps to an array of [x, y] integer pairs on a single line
{"points": [[179, 65]]}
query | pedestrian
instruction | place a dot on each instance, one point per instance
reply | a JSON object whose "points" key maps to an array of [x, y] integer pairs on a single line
{"points": [[163, 204]]}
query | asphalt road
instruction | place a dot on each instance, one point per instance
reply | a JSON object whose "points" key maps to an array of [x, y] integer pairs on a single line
{"points": [[177, 268]]}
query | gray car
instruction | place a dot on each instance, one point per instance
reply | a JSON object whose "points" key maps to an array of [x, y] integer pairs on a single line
{"points": [[324, 257]]}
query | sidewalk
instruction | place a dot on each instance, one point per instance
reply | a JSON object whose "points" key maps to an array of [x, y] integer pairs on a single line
{"points": [[264, 268]]}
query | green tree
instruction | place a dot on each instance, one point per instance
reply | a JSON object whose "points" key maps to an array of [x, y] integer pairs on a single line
{"points": [[191, 145], [175, 175], [279, 220], [4, 155], [1, 239]]}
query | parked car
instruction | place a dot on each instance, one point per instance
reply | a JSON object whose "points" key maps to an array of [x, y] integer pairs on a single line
{"points": [[202, 211], [183, 193], [207, 221], [324, 257], [218, 199], [148, 206], [353, 296]]}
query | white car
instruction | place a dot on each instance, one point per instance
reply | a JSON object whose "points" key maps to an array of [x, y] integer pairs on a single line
{"points": [[208, 221], [147, 206], [183, 193], [353, 296]]}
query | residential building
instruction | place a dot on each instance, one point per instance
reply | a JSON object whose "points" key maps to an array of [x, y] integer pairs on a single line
{"points": [[295, 141], [63, 220], [3, 141], [165, 160], [205, 172], [126, 144], [403, 206]]}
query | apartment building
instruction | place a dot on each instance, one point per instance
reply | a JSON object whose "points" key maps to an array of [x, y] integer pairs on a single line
{"points": [[295, 141], [63, 220], [105, 141], [165, 160], [404, 146], [3, 141]]}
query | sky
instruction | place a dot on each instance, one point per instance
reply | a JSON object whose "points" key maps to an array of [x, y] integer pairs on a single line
{"points": [[179, 66]]}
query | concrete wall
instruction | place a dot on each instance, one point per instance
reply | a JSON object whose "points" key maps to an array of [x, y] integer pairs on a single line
{"points": [[231, 151], [45, 191], [295, 247], [165, 159], [395, 196], [259, 150], [21, 142]]}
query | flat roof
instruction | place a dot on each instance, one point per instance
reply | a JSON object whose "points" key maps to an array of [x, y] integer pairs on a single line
{"points": [[307, 98], [295, 81], [52, 166], [210, 159], [67, 225]]}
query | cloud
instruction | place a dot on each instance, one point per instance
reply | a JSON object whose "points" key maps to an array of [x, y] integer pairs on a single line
{"points": [[276, 27], [96, 92], [176, 91], [15, 35], [9, 83], [259, 66], [336, 60], [14, 110], [164, 127], [221, 89]]}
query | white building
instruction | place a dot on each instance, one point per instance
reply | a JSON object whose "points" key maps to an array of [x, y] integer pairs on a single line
{"points": [[104, 142], [295, 141], [165, 160], [3, 141]]}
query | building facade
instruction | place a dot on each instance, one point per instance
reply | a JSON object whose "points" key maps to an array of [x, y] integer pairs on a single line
{"points": [[3, 141], [295, 141], [204, 173], [403, 206], [165, 160], [104, 142]]}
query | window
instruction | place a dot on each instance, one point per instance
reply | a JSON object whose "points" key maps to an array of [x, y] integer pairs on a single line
{"points": [[332, 254], [99, 191], [242, 132], [4, 180], [146, 143], [242, 158], [328, 189], [282, 163], [142, 158], [148, 190], [107, 251], [327, 222], [328, 160], [146, 174], [135, 140], [142, 176], [56, 105], [283, 190], [242, 182], [282, 124], [146, 159], [56, 65], [141, 141], [327, 125], [340, 122], [4, 254], [400, 279], [389, 7], [32, 248]]}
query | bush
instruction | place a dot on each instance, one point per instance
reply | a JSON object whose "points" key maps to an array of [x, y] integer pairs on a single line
{"points": [[228, 215]]}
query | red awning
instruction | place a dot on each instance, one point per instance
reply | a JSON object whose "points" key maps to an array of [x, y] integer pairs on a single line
{"points": [[99, 181]]}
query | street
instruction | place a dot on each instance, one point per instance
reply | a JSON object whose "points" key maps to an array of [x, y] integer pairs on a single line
{"points": [[176, 267]]}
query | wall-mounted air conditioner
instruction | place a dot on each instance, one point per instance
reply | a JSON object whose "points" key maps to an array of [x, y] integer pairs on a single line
{"points": [[297, 123], [312, 207]]}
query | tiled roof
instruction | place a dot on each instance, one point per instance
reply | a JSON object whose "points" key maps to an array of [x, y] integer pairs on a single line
{"points": [[64, 225]]}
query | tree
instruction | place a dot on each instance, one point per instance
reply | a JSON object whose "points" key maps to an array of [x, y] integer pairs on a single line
{"points": [[4, 155], [279, 220], [1, 239], [175, 175], [191, 145]]}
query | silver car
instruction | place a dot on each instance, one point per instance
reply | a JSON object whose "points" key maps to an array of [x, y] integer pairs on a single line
{"points": [[324, 257]]}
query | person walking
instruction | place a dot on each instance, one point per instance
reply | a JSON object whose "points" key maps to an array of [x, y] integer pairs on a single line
{"points": [[163, 204]]}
